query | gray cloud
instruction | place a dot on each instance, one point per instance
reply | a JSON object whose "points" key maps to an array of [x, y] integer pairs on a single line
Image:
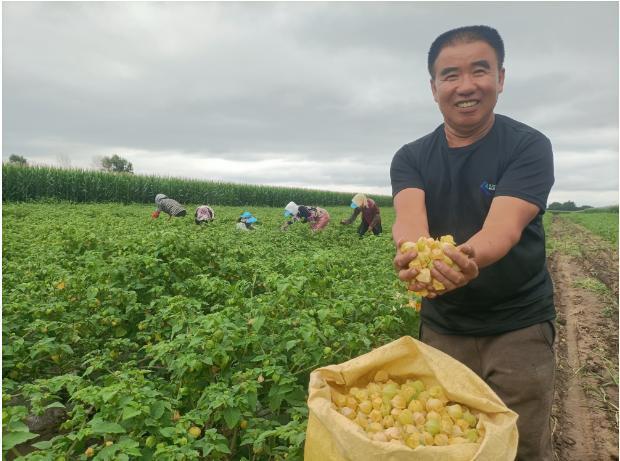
{"points": [[339, 86]]}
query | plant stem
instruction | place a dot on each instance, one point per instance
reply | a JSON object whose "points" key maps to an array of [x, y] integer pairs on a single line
{"points": [[233, 443], [86, 413]]}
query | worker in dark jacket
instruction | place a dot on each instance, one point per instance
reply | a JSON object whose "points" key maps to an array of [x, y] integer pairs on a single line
{"points": [[371, 215]]}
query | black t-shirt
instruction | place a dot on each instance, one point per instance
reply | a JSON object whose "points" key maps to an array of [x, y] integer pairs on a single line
{"points": [[459, 184]]}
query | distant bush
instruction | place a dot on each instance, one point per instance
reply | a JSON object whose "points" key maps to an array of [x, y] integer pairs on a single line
{"points": [[566, 206], [605, 209]]}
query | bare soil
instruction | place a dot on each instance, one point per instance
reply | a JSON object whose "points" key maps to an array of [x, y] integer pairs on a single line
{"points": [[585, 412]]}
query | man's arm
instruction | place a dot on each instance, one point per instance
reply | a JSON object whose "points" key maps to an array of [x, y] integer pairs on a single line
{"points": [[501, 231], [411, 223]]}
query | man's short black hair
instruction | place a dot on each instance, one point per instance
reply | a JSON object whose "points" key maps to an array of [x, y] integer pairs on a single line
{"points": [[466, 34]]}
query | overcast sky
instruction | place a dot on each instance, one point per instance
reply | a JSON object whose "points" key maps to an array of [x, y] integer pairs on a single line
{"points": [[308, 94]]}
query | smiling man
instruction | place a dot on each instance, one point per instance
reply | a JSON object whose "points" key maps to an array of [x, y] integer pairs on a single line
{"points": [[483, 178]]}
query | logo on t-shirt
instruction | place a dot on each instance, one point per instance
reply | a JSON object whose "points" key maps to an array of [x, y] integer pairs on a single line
{"points": [[487, 188]]}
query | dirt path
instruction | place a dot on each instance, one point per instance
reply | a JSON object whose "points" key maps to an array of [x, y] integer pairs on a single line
{"points": [[585, 409]]}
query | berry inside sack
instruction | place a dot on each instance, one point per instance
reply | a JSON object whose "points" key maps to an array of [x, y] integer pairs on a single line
{"points": [[408, 413]]}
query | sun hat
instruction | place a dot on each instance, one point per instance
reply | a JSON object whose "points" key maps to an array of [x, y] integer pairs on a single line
{"points": [[252, 220], [291, 209], [360, 200], [246, 214], [159, 197]]}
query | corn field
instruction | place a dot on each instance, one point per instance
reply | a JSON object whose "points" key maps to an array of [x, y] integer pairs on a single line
{"points": [[26, 183]]}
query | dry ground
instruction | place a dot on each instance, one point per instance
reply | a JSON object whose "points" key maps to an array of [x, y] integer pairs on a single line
{"points": [[584, 269]]}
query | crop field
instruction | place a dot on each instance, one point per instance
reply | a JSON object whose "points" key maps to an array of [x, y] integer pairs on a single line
{"points": [[142, 339], [128, 338], [602, 224]]}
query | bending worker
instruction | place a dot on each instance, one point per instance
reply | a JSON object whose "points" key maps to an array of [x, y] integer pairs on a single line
{"points": [[204, 214], [246, 221], [317, 217], [371, 215], [168, 206]]}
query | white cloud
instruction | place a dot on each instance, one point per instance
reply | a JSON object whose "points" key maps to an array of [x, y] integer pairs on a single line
{"points": [[210, 88]]}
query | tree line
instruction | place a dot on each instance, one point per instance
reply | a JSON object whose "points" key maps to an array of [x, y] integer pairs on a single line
{"points": [[112, 164], [566, 206]]}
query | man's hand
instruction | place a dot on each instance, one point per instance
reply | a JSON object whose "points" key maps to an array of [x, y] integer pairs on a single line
{"points": [[462, 256], [450, 278], [401, 264]]}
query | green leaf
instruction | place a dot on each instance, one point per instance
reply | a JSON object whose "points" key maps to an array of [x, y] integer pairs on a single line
{"points": [[157, 409], [130, 447], [222, 448], [17, 426], [207, 447], [258, 323], [252, 400], [55, 405], [102, 427], [107, 394], [231, 416], [44, 445], [168, 432], [129, 412], [177, 327], [91, 292], [291, 344], [322, 313], [13, 439], [275, 401], [296, 397]]}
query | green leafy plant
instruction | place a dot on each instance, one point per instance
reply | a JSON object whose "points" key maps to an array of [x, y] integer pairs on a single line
{"points": [[166, 340]]}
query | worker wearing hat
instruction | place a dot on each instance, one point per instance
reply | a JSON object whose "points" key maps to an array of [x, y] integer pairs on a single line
{"points": [[371, 215], [317, 217]]}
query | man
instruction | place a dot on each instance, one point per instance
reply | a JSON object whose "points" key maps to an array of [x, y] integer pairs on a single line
{"points": [[485, 179], [371, 215]]}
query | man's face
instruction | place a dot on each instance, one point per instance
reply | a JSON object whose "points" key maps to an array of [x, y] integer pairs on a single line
{"points": [[467, 84]]}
